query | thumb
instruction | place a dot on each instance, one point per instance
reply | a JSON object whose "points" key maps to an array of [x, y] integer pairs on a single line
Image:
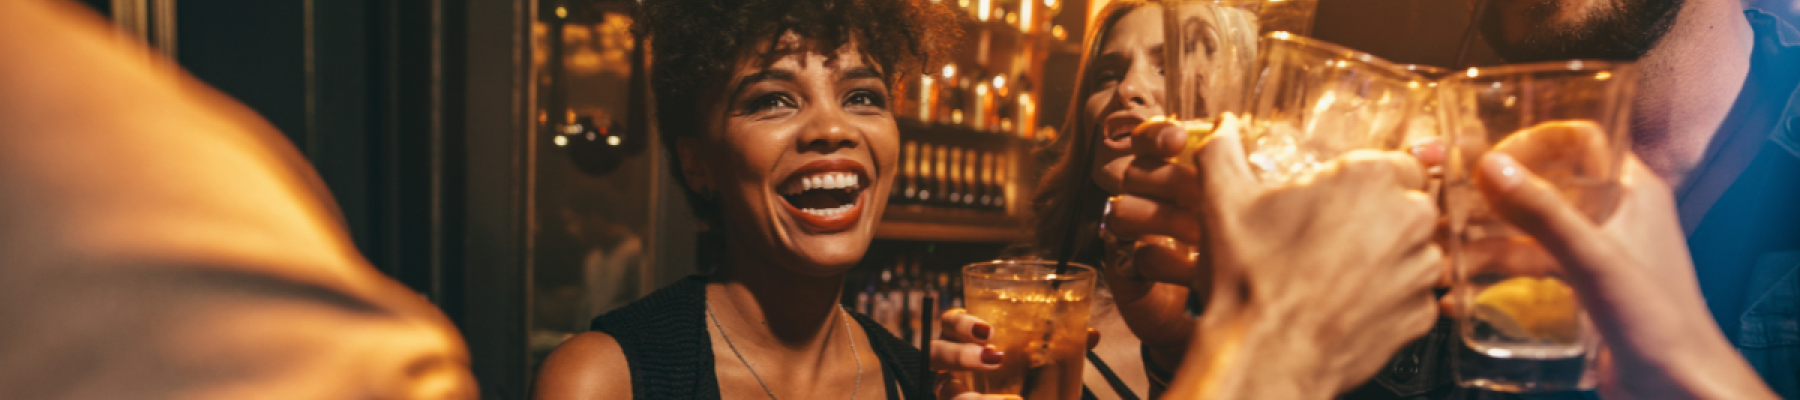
{"points": [[1533, 205], [1224, 168]]}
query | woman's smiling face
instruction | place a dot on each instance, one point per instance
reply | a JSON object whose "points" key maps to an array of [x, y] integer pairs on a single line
{"points": [[800, 153]]}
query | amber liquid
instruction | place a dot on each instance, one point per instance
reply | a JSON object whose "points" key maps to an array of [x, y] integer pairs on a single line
{"points": [[1042, 330]]}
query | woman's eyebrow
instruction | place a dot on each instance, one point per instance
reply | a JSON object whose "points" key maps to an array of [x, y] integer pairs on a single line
{"points": [[763, 75], [859, 73]]}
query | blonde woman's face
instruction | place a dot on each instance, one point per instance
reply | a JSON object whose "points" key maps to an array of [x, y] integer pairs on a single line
{"points": [[1126, 88]]}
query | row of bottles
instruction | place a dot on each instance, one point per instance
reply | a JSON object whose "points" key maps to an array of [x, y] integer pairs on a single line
{"points": [[951, 176], [897, 297], [981, 102]]}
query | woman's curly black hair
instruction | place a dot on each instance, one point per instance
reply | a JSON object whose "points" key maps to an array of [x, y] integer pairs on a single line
{"points": [[695, 44]]}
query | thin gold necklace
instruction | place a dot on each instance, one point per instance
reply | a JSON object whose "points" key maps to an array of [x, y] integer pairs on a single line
{"points": [[759, 379]]}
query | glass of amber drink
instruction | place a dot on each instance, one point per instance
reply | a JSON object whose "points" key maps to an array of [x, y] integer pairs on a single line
{"points": [[1522, 326], [1040, 322]]}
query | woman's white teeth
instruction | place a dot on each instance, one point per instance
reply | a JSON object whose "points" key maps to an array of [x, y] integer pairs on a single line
{"points": [[827, 212], [829, 180]]}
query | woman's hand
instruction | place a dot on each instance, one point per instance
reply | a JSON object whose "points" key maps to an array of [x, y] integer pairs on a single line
{"points": [[1154, 276], [964, 347], [1635, 279], [1311, 283]]}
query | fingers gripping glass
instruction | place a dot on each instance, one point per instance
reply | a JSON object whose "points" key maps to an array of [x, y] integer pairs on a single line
{"points": [[1521, 326], [1040, 322]]}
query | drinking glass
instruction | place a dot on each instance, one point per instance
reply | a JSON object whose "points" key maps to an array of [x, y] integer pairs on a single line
{"points": [[1209, 47], [1210, 50], [1040, 322], [1521, 326], [1313, 101]]}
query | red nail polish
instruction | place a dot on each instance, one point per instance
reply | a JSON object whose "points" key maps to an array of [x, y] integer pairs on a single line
{"points": [[992, 357], [981, 331]]}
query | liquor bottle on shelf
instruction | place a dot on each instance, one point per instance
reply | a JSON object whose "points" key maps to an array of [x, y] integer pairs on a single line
{"points": [[956, 291], [923, 177], [997, 169], [866, 297], [914, 294], [955, 190], [941, 176], [971, 185], [907, 189], [897, 195], [945, 293], [928, 98], [983, 196], [978, 113], [903, 285], [883, 309], [957, 106]]}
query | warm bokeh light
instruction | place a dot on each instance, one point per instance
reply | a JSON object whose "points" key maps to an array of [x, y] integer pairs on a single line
{"points": [[1025, 23]]}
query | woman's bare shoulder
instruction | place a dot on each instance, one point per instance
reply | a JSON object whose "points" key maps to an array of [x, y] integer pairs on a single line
{"points": [[590, 365]]}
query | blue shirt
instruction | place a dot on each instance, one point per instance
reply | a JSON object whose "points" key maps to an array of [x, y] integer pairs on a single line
{"points": [[1746, 247]]}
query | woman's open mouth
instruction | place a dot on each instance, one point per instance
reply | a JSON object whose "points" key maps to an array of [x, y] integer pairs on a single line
{"points": [[826, 195], [1117, 127]]}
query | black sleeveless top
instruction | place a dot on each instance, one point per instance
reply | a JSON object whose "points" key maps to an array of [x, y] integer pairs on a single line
{"points": [[670, 356]]}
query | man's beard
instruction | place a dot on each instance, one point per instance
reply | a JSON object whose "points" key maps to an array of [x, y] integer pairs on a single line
{"points": [[1624, 32]]}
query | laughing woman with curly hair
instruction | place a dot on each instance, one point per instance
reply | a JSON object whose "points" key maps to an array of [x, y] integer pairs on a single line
{"points": [[777, 115]]}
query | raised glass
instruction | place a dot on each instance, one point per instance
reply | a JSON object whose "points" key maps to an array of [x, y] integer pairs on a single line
{"points": [[1314, 101], [1040, 322], [1521, 325]]}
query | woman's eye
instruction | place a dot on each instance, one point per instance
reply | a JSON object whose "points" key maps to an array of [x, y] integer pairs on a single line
{"points": [[1108, 76], [772, 101], [866, 99]]}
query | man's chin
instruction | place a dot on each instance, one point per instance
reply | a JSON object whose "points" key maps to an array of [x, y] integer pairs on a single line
{"points": [[1621, 34]]}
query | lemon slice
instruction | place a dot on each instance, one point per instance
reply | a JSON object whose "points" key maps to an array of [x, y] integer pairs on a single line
{"points": [[1537, 309], [1199, 131]]}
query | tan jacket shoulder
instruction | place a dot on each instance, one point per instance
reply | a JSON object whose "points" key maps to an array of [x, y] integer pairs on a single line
{"points": [[159, 240]]}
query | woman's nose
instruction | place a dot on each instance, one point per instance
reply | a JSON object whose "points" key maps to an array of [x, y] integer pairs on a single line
{"points": [[1142, 87], [828, 133]]}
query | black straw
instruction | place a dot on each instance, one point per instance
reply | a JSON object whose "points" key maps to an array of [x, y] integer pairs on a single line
{"points": [[1086, 163], [927, 313]]}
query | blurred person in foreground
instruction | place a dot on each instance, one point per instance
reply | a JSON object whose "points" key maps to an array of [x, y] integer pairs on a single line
{"points": [[1715, 115], [163, 241]]}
